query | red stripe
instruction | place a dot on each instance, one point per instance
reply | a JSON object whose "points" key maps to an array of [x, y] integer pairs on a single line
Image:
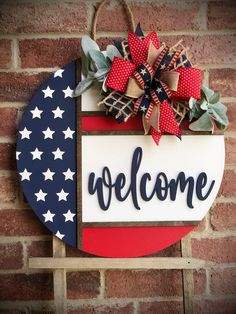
{"points": [[97, 123], [130, 241]]}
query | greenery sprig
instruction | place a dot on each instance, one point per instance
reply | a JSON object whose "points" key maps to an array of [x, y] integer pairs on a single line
{"points": [[208, 112], [96, 64]]}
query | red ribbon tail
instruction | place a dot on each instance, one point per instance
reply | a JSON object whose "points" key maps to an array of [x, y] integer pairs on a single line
{"points": [[156, 135], [167, 120]]}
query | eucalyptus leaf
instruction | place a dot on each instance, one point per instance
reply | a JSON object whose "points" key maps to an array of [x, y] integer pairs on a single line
{"points": [[88, 44], [214, 98], [84, 63], [192, 102], [113, 52], [99, 59], [204, 123], [218, 114], [220, 126], [101, 74], [204, 105], [83, 86], [208, 93]]}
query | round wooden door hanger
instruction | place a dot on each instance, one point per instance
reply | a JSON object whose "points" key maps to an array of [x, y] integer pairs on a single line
{"points": [[105, 187], [92, 168]]}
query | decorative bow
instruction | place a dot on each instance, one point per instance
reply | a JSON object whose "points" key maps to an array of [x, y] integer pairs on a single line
{"points": [[155, 76]]}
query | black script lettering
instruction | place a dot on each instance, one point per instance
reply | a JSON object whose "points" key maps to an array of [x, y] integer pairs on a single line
{"points": [[104, 186], [201, 183], [182, 182], [104, 180]]}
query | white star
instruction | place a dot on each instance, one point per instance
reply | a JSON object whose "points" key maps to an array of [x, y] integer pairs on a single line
{"points": [[62, 196], [69, 216], [143, 108], [58, 154], [48, 216], [36, 154], [59, 235], [143, 72], [25, 133], [58, 113], [147, 96], [58, 73], [68, 133], [68, 174], [159, 90], [68, 92], [18, 155], [40, 195], [48, 175], [48, 92], [48, 133], [36, 113], [163, 66], [25, 175]]}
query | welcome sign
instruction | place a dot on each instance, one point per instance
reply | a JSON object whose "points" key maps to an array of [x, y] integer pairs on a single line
{"points": [[105, 187]]}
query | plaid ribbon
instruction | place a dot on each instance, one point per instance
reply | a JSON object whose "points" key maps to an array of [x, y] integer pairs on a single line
{"points": [[155, 93]]}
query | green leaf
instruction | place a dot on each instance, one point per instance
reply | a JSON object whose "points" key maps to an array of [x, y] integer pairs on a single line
{"points": [[112, 52], [218, 113], [214, 98], [99, 59], [88, 44], [208, 93], [220, 126], [204, 104], [204, 123], [84, 63], [83, 86], [101, 74]]}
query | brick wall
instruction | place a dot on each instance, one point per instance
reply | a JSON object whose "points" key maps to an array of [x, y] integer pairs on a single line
{"points": [[35, 38]]}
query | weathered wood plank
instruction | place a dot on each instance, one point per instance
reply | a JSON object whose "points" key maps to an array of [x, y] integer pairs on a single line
{"points": [[59, 278], [84, 263]]}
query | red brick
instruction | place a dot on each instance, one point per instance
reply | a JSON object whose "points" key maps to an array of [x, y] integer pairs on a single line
{"points": [[228, 185], [199, 277], [221, 15], [48, 52], [74, 252], [11, 255], [20, 86], [5, 53], [37, 17], [83, 285], [103, 309], [208, 49], [231, 113], [163, 307], [20, 223], [220, 250], [171, 251], [226, 306], [224, 81], [8, 189], [8, 121], [26, 287], [161, 17], [40, 249], [223, 281], [122, 284], [201, 226], [7, 156], [230, 147], [223, 217]]}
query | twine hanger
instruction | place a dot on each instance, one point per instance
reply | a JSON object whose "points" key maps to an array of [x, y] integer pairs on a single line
{"points": [[127, 9]]}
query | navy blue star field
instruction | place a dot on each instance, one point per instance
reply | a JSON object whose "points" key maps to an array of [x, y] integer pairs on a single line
{"points": [[46, 154]]}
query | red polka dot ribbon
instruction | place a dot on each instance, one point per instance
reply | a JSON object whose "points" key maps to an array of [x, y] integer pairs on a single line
{"points": [[152, 89]]}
